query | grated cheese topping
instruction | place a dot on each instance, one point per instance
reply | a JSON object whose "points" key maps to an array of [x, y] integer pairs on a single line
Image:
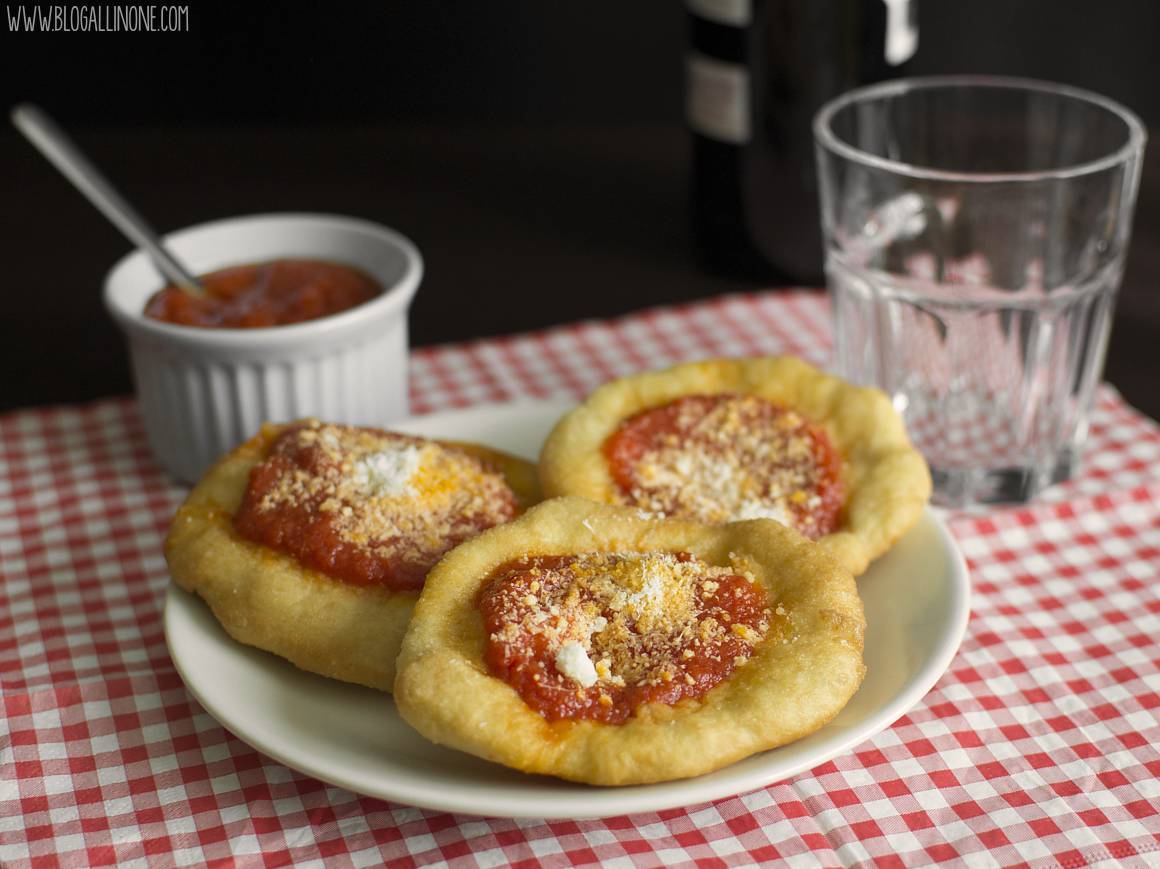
{"points": [[723, 458], [595, 635], [370, 506]]}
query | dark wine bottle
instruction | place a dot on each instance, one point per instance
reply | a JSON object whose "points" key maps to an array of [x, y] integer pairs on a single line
{"points": [[757, 71]]}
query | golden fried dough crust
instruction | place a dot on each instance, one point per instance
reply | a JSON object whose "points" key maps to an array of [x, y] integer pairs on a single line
{"points": [[798, 678], [887, 480], [266, 598]]}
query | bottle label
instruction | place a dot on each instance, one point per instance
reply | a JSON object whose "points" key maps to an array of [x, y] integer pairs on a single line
{"points": [[718, 98], [737, 13]]}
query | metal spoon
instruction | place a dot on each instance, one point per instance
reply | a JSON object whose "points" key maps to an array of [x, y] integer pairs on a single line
{"points": [[63, 153]]}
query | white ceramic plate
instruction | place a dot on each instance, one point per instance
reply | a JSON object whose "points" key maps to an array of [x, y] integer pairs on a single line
{"points": [[917, 604]]}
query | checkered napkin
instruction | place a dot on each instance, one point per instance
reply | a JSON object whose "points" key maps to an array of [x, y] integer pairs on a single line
{"points": [[1038, 746]]}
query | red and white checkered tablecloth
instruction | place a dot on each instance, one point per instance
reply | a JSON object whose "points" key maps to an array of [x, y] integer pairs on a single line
{"points": [[1038, 746]]}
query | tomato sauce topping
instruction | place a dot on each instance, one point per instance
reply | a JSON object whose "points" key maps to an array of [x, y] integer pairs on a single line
{"points": [[719, 458], [275, 293], [597, 635], [369, 507]]}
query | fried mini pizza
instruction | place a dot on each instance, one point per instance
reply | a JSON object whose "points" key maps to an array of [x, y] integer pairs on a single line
{"points": [[730, 439], [586, 642], [312, 540]]}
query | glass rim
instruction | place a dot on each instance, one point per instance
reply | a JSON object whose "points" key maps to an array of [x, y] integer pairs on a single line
{"points": [[825, 137]]}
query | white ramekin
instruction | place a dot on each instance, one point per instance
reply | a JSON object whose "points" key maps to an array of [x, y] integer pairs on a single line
{"points": [[204, 391]]}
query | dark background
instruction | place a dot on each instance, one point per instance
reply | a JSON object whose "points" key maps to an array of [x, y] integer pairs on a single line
{"points": [[535, 152]]}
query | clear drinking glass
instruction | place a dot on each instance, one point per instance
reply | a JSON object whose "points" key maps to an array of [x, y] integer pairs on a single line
{"points": [[975, 232]]}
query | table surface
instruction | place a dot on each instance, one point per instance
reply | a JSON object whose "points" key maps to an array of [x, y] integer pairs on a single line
{"points": [[1038, 746], [521, 226]]}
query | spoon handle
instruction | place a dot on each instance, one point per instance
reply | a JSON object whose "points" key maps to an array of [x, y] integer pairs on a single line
{"points": [[63, 153]]}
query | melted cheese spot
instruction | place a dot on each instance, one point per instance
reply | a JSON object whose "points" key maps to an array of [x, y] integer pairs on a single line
{"points": [[757, 510], [387, 473], [573, 662]]}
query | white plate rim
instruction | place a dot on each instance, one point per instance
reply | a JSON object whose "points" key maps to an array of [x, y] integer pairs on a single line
{"points": [[608, 802]]}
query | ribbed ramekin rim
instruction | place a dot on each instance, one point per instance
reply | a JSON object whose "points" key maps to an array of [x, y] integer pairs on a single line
{"points": [[384, 305]]}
